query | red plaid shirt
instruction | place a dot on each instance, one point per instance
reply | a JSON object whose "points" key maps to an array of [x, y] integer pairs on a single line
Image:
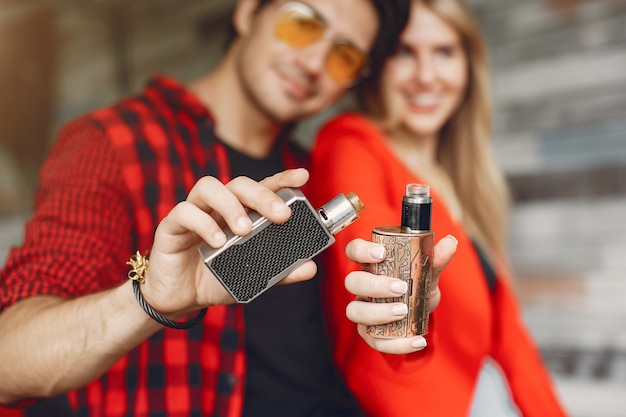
{"points": [[111, 177]]}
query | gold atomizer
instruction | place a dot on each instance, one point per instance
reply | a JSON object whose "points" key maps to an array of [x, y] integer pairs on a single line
{"points": [[409, 256]]}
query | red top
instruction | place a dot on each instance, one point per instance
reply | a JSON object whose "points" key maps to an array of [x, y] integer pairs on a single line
{"points": [[469, 325], [111, 177]]}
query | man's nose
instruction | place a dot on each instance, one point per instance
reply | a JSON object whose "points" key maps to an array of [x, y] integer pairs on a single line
{"points": [[312, 58]]}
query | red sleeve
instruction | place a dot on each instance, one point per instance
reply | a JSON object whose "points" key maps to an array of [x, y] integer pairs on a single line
{"points": [[517, 354], [79, 236]]}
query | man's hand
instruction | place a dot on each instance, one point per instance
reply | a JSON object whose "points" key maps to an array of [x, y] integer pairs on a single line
{"points": [[364, 284], [177, 280]]}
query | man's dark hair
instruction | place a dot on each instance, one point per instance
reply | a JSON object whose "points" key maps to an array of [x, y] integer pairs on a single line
{"points": [[393, 16]]}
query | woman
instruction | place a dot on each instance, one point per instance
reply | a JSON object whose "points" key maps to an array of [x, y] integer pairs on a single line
{"points": [[427, 120]]}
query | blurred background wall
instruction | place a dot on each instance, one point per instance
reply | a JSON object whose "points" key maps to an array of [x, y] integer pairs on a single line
{"points": [[559, 85]]}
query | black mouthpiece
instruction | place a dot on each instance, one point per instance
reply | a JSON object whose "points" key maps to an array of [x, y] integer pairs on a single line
{"points": [[416, 207]]}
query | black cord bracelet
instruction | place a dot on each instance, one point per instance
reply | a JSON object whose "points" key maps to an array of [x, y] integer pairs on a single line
{"points": [[162, 320]]}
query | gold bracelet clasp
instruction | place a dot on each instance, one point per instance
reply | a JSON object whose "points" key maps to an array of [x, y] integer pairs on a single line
{"points": [[139, 264]]}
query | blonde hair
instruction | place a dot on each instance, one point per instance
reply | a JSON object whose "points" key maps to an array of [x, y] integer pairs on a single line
{"points": [[464, 147]]}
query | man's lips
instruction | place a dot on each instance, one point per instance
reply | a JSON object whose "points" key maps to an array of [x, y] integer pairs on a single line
{"points": [[295, 82]]}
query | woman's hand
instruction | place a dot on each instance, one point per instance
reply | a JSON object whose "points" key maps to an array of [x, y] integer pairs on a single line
{"points": [[364, 285]]}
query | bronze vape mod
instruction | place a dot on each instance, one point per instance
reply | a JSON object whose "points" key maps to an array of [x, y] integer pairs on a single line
{"points": [[409, 255], [249, 265]]}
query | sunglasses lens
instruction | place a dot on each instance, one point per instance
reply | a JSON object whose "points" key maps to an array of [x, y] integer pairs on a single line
{"points": [[299, 26], [344, 63], [297, 29]]}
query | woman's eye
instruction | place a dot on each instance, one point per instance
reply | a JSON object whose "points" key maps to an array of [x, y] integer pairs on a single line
{"points": [[445, 51], [401, 51]]}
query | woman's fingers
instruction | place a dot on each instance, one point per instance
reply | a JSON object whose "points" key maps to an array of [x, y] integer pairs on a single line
{"points": [[363, 251], [368, 313], [362, 283], [394, 346], [444, 251]]}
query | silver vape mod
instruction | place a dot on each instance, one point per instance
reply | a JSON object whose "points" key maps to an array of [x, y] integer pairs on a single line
{"points": [[249, 265], [409, 255]]}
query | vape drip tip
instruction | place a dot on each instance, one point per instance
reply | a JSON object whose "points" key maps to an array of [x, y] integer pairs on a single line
{"points": [[416, 207], [355, 201]]}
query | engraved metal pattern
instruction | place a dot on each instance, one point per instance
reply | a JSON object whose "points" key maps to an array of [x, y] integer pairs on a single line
{"points": [[247, 269], [409, 257]]}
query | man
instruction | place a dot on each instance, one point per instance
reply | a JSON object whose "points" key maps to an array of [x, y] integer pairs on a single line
{"points": [[154, 174]]}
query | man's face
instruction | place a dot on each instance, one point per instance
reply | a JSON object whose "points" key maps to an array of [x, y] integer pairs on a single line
{"points": [[288, 73]]}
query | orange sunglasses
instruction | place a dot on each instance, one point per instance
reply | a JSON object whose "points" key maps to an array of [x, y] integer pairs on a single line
{"points": [[300, 25]]}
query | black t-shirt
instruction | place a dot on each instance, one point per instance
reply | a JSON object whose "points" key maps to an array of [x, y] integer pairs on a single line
{"points": [[290, 372]]}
